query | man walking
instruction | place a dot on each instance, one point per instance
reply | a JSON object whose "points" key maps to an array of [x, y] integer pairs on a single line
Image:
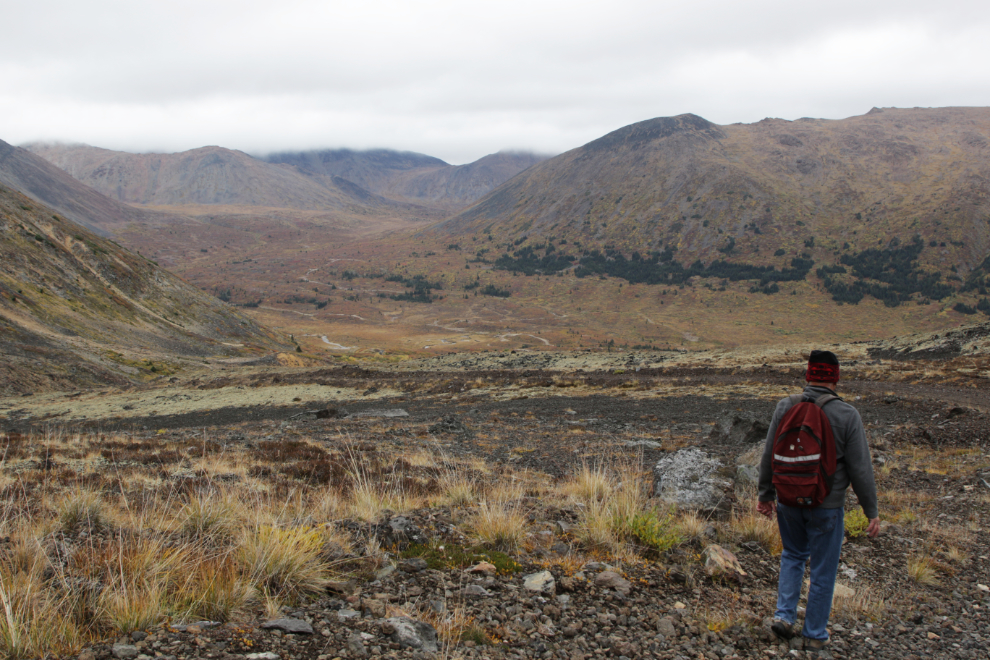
{"points": [[816, 532]]}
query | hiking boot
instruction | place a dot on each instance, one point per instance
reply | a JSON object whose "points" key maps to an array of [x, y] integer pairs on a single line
{"points": [[817, 648], [782, 629]]}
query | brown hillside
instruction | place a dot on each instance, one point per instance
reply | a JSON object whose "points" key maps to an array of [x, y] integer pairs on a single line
{"points": [[455, 187], [77, 309], [686, 183], [45, 183]]}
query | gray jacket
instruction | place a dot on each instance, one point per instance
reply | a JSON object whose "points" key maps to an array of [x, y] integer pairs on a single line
{"points": [[852, 454]]}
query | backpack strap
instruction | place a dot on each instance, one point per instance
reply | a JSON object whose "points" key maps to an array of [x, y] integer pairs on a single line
{"points": [[796, 399], [826, 399]]}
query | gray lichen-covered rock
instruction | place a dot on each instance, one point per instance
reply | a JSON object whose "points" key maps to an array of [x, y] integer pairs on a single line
{"points": [[739, 428], [747, 475], [411, 633], [689, 479]]}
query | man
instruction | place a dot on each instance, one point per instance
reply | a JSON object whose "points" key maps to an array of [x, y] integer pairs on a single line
{"points": [[816, 533]]}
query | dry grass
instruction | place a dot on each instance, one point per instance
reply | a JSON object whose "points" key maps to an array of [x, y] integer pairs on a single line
{"points": [[863, 603], [33, 622], [616, 516], [284, 564], [500, 522], [83, 510], [209, 517], [749, 525], [691, 525], [589, 484], [922, 569]]}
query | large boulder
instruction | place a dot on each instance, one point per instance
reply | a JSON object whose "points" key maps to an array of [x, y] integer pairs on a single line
{"points": [[739, 428], [689, 478]]}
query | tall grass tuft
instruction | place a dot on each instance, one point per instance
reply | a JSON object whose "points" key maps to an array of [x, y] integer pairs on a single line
{"points": [[213, 590], [500, 522], [921, 569], [84, 510], [208, 518], [33, 622], [285, 564], [589, 484]]}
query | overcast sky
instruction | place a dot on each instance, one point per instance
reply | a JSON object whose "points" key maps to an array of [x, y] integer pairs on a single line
{"points": [[459, 80]]}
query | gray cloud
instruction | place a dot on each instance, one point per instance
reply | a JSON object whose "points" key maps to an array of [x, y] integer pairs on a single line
{"points": [[459, 80]]}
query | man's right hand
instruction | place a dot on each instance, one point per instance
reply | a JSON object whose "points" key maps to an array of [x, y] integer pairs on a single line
{"points": [[767, 508], [873, 528]]}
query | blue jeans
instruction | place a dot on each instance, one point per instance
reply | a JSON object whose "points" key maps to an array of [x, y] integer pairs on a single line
{"points": [[816, 534]]}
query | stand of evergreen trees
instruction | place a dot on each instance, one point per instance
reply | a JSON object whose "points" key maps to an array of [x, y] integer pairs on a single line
{"points": [[657, 268], [891, 275], [422, 289]]}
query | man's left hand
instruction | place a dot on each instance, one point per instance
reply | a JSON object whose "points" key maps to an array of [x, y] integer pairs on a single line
{"points": [[873, 528], [766, 508]]}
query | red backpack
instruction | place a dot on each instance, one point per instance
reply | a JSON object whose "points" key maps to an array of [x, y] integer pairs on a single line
{"points": [[804, 453]]}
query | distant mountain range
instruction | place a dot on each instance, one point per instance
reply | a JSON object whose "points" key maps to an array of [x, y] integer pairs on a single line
{"points": [[379, 180], [77, 309], [412, 177]]}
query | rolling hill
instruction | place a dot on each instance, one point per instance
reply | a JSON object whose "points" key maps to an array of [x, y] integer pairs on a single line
{"points": [[77, 309]]}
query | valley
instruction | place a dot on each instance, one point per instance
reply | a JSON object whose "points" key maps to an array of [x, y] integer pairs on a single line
{"points": [[341, 404], [846, 230]]}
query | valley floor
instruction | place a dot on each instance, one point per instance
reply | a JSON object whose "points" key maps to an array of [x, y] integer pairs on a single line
{"points": [[193, 520]]}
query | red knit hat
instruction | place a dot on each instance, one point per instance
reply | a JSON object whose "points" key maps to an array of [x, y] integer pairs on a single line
{"points": [[823, 367]]}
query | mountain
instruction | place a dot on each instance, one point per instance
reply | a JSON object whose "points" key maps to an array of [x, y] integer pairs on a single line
{"points": [[372, 169], [205, 176], [77, 309], [894, 198], [412, 177], [50, 185], [355, 181]]}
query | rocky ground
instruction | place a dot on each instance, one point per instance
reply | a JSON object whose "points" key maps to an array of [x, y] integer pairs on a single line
{"points": [[919, 590]]}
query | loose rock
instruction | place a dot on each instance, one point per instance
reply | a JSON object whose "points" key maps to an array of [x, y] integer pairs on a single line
{"points": [[294, 626], [541, 582], [411, 633], [612, 580]]}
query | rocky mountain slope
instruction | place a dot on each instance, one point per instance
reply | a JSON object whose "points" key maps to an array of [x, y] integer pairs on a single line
{"points": [[410, 176], [77, 309], [896, 199], [50, 185]]}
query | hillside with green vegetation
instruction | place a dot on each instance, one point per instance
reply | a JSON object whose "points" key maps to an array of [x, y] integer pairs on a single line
{"points": [[78, 309]]}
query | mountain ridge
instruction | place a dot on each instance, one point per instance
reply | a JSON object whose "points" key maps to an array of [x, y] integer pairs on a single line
{"points": [[688, 184], [341, 179]]}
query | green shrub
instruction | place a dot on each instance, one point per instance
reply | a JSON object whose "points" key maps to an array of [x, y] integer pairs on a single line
{"points": [[856, 523], [654, 530]]}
